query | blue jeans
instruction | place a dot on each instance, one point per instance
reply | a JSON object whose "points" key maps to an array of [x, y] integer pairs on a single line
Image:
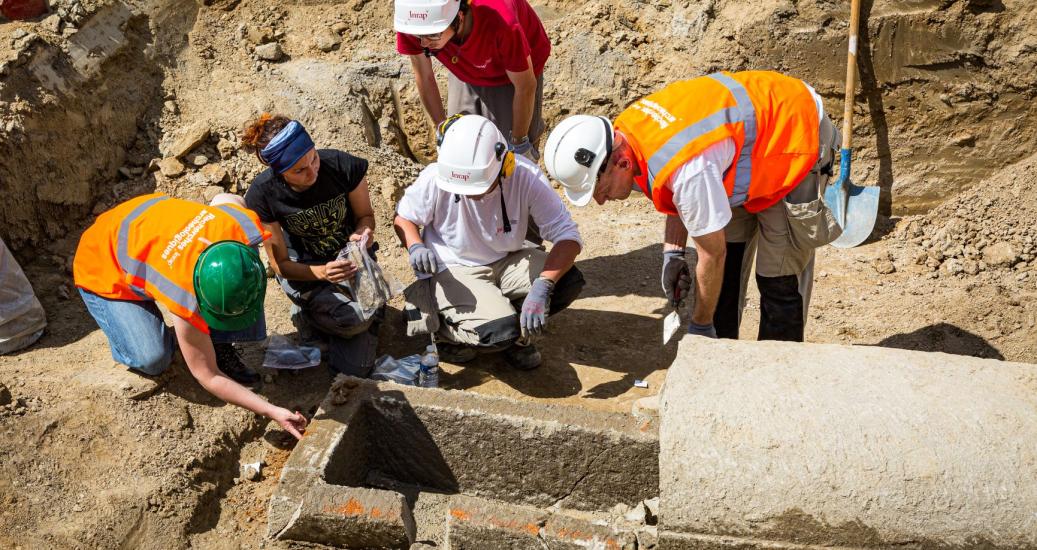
{"points": [[140, 339]]}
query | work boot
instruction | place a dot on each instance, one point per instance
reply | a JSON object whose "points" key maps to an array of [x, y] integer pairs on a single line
{"points": [[229, 363], [457, 354], [522, 357]]}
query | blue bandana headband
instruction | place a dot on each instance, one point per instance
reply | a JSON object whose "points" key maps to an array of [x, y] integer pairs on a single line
{"points": [[287, 147]]}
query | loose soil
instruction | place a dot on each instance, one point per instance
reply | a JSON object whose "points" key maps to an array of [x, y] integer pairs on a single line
{"points": [[93, 456]]}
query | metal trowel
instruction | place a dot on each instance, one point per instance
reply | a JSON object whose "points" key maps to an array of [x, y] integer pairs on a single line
{"points": [[672, 322]]}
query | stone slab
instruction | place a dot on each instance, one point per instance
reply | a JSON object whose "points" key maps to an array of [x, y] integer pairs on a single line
{"points": [[352, 517], [848, 445], [519, 452], [476, 523]]}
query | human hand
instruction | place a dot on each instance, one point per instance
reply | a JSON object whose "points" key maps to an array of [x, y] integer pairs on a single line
{"points": [[533, 318], [293, 423], [363, 233], [676, 277], [709, 331], [422, 260], [337, 271]]}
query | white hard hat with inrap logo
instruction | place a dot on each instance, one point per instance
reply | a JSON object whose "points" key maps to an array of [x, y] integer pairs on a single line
{"points": [[470, 156], [418, 17], [577, 152]]}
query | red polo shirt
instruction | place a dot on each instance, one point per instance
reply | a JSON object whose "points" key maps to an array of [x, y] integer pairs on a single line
{"points": [[504, 34]]}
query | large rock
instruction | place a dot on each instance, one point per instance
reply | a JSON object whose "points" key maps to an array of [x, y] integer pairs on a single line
{"points": [[189, 138], [773, 443], [171, 167], [270, 52], [1000, 254]]}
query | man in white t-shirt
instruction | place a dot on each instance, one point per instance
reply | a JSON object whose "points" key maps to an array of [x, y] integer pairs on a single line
{"points": [[737, 161], [494, 290]]}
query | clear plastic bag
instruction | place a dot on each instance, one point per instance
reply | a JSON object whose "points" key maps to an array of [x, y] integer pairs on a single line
{"points": [[369, 287], [282, 354], [402, 371]]}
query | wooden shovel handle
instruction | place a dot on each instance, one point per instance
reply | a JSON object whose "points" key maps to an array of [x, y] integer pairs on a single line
{"points": [[851, 73]]}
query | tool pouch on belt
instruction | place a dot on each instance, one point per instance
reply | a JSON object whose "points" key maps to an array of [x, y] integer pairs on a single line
{"points": [[420, 311], [812, 224]]}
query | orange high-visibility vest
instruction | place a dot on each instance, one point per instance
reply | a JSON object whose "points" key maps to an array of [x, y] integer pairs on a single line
{"points": [[146, 249], [772, 119]]}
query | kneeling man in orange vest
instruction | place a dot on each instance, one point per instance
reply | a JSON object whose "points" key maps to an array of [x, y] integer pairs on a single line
{"points": [[200, 262], [738, 161]]}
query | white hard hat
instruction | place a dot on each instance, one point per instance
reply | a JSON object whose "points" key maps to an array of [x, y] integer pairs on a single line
{"points": [[576, 150], [470, 156], [424, 16]]}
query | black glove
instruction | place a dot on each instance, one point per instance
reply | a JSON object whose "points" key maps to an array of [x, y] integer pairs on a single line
{"points": [[676, 277]]}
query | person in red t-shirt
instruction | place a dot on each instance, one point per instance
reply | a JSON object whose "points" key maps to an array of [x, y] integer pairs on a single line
{"points": [[495, 51]]}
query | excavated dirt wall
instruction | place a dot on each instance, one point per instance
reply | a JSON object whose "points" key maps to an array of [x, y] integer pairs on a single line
{"points": [[74, 111]]}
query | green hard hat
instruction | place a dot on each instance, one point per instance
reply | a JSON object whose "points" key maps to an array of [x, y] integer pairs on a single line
{"points": [[230, 284]]}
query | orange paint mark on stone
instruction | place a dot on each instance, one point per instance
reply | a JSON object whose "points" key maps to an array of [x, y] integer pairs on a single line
{"points": [[460, 514], [376, 512], [352, 507], [532, 529]]}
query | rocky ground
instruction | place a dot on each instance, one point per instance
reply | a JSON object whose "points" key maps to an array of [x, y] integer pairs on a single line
{"points": [[110, 100]]}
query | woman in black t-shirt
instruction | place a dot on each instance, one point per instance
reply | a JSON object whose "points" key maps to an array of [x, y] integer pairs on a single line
{"points": [[314, 201]]}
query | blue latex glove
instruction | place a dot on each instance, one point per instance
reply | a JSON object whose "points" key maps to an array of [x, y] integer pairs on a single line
{"points": [[533, 318], [526, 149], [709, 331], [676, 277], [422, 260]]}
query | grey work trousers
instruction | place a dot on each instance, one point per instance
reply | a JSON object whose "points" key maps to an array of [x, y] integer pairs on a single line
{"points": [[495, 103]]}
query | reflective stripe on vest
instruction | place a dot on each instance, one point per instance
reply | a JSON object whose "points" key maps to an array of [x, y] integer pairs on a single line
{"points": [[250, 229], [743, 112], [140, 270]]}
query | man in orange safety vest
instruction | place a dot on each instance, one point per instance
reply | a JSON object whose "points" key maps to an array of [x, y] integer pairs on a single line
{"points": [[737, 161]]}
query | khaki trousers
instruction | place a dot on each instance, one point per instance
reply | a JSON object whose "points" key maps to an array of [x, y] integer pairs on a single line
{"points": [[478, 306]]}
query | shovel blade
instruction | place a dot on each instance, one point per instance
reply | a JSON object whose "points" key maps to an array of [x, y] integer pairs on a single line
{"points": [[861, 211], [671, 324]]}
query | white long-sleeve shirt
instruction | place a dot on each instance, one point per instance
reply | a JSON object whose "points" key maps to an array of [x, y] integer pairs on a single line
{"points": [[470, 232], [698, 185]]}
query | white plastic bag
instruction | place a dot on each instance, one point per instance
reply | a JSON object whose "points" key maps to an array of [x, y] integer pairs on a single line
{"points": [[22, 319], [282, 354], [402, 371], [369, 287]]}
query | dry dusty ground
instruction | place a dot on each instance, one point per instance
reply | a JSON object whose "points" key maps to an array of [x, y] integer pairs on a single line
{"points": [[92, 456]]}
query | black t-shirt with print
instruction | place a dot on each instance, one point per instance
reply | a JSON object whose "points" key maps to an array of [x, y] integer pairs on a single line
{"points": [[317, 221]]}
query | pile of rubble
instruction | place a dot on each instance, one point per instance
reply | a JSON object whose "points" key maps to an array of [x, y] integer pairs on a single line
{"points": [[988, 228]]}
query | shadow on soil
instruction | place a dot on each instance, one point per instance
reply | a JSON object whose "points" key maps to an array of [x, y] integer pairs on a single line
{"points": [[945, 338]]}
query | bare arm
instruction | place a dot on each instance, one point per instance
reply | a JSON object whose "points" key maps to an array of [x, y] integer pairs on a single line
{"points": [[201, 361], [525, 83], [360, 204], [675, 235], [407, 231], [428, 90], [560, 259], [277, 251], [709, 275]]}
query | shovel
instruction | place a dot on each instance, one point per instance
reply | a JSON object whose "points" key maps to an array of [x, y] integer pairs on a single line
{"points": [[855, 207]]}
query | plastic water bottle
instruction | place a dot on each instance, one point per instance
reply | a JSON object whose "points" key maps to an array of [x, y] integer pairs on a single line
{"points": [[428, 376]]}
